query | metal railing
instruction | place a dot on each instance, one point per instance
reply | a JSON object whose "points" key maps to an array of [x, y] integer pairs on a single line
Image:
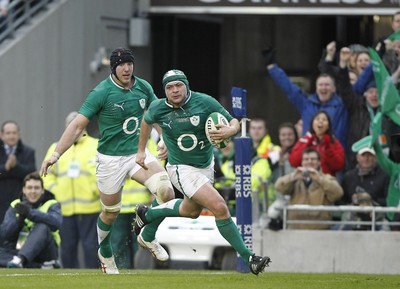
{"points": [[20, 12], [373, 223], [260, 208]]}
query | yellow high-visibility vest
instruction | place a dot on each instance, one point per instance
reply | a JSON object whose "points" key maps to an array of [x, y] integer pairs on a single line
{"points": [[43, 208], [72, 179]]}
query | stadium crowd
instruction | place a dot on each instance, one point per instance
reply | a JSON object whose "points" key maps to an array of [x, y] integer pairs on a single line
{"points": [[337, 121], [330, 160]]}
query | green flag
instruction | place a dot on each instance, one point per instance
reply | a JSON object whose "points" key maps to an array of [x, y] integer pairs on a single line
{"points": [[394, 36], [376, 128], [365, 142], [388, 95]]}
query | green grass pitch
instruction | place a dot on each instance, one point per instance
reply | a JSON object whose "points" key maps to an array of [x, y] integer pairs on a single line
{"points": [[185, 279]]}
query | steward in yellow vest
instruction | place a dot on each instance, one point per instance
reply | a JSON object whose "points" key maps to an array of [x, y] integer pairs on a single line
{"points": [[72, 179], [30, 228]]}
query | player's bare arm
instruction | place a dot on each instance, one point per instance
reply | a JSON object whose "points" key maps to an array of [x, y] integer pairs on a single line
{"points": [[161, 148], [70, 135], [235, 126], [145, 130]]}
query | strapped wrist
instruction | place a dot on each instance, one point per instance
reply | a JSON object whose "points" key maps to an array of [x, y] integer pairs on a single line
{"points": [[56, 155]]}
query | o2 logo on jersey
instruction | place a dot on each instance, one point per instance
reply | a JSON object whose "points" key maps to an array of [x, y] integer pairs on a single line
{"points": [[128, 123], [183, 139]]}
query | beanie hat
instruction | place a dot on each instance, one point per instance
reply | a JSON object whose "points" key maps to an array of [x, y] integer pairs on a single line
{"points": [[120, 56], [358, 48], [175, 75], [370, 84], [70, 117]]}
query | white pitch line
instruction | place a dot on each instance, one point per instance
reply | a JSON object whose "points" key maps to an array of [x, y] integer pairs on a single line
{"points": [[178, 272]]}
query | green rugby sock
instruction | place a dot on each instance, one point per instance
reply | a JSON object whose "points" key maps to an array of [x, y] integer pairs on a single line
{"points": [[156, 214], [104, 235], [149, 231], [168, 209], [230, 232]]}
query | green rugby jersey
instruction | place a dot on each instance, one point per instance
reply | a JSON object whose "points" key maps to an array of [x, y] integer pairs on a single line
{"points": [[119, 113], [183, 128]]}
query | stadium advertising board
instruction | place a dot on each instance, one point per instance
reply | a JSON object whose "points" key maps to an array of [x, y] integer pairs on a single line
{"points": [[316, 7]]}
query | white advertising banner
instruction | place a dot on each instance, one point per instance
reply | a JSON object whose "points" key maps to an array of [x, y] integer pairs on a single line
{"points": [[277, 7]]}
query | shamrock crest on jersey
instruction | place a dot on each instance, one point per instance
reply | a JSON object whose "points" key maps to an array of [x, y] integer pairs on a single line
{"points": [[142, 103], [195, 120]]}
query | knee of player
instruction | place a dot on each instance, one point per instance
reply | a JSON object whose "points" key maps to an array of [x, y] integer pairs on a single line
{"points": [[160, 185], [219, 208], [166, 194], [194, 214]]}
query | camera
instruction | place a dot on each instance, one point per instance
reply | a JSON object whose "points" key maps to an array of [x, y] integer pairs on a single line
{"points": [[306, 174]]}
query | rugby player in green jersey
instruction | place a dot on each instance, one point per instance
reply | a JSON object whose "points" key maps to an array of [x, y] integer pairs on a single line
{"points": [[119, 103], [182, 116]]}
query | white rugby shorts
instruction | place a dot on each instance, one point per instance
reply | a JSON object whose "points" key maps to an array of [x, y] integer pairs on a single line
{"points": [[111, 171], [188, 179]]}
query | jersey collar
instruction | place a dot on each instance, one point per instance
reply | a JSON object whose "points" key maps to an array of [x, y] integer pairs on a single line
{"points": [[119, 86]]}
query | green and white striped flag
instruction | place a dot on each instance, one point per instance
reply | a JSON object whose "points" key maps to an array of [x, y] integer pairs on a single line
{"points": [[389, 98]]}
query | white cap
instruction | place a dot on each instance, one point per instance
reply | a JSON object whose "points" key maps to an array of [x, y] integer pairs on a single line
{"points": [[70, 117], [366, 150]]}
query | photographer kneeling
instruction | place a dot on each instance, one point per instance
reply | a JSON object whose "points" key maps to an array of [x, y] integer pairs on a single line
{"points": [[30, 228]]}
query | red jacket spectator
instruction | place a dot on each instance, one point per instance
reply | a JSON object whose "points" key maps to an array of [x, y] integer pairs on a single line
{"points": [[320, 137]]}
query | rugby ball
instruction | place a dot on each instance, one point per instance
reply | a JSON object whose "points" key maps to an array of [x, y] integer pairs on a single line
{"points": [[212, 120]]}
